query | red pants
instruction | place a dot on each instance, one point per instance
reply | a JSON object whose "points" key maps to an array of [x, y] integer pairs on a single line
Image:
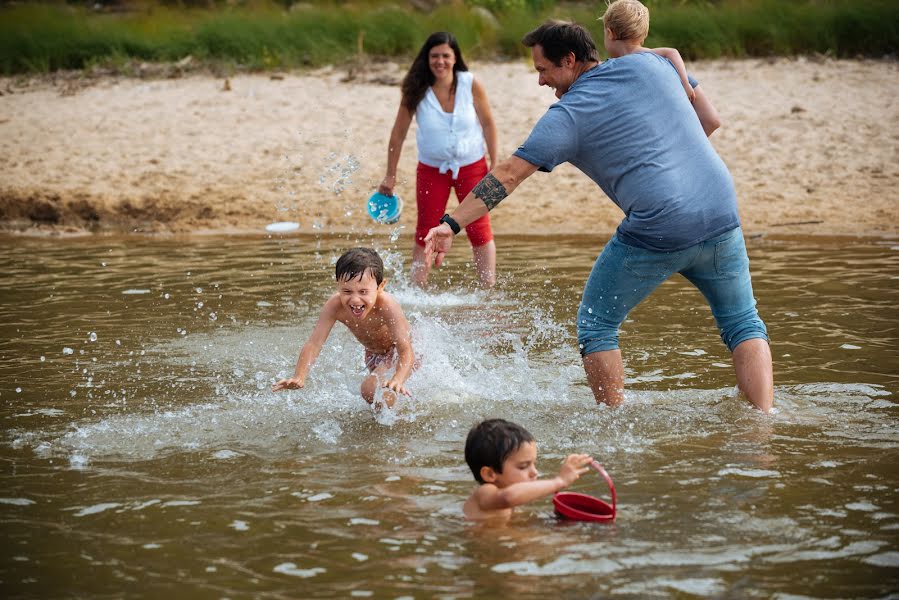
{"points": [[432, 190]]}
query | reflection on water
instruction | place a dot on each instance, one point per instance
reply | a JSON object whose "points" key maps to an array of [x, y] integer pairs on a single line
{"points": [[143, 451]]}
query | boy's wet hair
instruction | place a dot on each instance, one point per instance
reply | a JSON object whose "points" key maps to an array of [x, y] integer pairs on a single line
{"points": [[558, 38], [627, 19], [355, 262], [490, 442]]}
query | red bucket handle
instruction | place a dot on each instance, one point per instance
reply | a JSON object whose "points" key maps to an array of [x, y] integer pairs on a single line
{"points": [[608, 479]]}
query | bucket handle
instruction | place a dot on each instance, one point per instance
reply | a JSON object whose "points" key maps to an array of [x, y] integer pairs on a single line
{"points": [[608, 479]]}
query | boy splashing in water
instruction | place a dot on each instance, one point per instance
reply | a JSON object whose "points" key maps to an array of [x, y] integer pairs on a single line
{"points": [[502, 457], [373, 316]]}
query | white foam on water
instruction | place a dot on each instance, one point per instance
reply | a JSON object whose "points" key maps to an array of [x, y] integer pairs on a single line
{"points": [[693, 586], [16, 501], [884, 559], [143, 505], [862, 506], [96, 508], [291, 569], [319, 497], [136, 291], [755, 473], [226, 454], [853, 549], [238, 525], [564, 565]]}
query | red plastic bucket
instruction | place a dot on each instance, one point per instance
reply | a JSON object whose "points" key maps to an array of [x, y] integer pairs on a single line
{"points": [[583, 507]]}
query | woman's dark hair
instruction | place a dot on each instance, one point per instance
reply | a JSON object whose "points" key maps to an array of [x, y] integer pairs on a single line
{"points": [[558, 38], [419, 78], [354, 263], [490, 442]]}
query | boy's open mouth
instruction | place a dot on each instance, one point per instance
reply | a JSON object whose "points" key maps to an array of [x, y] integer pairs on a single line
{"points": [[357, 310]]}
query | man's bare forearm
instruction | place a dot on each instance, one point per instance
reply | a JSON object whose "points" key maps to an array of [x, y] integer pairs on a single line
{"points": [[490, 191]]}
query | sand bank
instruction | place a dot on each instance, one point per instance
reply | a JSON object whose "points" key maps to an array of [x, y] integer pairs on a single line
{"points": [[813, 146]]}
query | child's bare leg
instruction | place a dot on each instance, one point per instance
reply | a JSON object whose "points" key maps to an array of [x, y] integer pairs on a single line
{"points": [[420, 267], [369, 390]]}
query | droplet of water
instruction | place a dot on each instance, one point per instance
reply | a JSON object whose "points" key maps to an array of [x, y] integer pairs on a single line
{"points": [[590, 310], [68, 351], [93, 336]]}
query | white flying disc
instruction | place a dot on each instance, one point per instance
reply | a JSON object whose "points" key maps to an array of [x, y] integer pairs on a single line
{"points": [[282, 227]]}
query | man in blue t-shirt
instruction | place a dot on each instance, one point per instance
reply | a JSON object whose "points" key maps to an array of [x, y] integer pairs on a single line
{"points": [[627, 124]]}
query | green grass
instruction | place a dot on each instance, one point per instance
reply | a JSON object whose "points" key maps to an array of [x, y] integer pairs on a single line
{"points": [[37, 38]]}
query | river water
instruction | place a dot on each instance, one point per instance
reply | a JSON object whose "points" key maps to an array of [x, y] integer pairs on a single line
{"points": [[143, 454]]}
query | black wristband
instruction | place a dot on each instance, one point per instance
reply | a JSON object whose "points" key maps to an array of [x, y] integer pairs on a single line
{"points": [[452, 223]]}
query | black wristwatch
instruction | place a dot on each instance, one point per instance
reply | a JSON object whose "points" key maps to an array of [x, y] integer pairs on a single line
{"points": [[452, 223]]}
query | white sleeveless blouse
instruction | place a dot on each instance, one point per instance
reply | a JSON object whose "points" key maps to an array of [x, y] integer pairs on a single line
{"points": [[445, 140]]}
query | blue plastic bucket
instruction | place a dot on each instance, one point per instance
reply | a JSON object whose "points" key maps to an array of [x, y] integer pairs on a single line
{"points": [[385, 209]]}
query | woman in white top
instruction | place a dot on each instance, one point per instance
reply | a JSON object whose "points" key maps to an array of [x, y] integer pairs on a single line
{"points": [[454, 125]]}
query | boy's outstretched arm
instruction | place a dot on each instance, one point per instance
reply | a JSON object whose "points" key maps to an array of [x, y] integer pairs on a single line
{"points": [[489, 497], [402, 337], [674, 56], [312, 348]]}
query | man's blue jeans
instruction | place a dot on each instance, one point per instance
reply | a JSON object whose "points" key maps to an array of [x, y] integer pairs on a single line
{"points": [[624, 275]]}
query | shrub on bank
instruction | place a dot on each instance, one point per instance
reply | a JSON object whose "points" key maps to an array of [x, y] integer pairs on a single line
{"points": [[259, 35]]}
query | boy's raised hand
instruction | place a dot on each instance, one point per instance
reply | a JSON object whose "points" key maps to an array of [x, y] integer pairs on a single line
{"points": [[691, 93], [291, 383], [573, 467]]}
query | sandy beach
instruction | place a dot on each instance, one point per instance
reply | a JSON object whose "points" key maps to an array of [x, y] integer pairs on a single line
{"points": [[813, 145]]}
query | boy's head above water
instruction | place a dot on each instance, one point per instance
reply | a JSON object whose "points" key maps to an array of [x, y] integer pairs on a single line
{"points": [[627, 20], [360, 278], [501, 452], [356, 262]]}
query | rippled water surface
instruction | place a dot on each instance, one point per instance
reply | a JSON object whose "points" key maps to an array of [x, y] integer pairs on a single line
{"points": [[143, 454]]}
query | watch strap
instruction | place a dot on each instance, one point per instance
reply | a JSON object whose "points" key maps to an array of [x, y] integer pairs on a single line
{"points": [[452, 223]]}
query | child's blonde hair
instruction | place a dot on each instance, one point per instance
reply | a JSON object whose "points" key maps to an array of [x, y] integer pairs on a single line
{"points": [[627, 19]]}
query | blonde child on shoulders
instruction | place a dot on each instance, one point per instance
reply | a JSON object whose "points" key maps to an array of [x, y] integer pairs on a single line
{"points": [[626, 25]]}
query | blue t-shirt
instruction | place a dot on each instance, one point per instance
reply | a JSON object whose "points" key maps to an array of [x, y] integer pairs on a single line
{"points": [[629, 126]]}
